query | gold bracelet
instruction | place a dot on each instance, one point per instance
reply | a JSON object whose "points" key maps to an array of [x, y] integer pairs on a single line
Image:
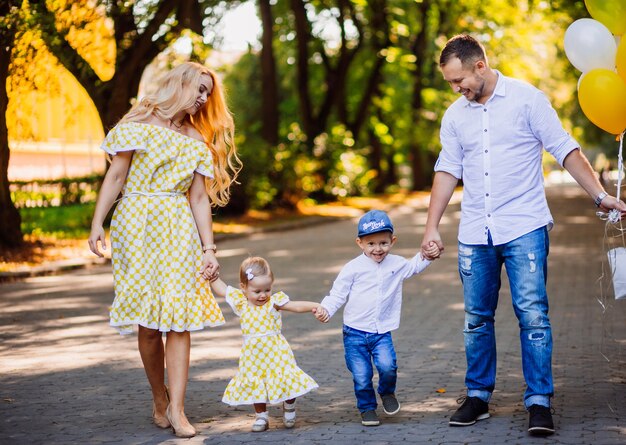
{"points": [[212, 247]]}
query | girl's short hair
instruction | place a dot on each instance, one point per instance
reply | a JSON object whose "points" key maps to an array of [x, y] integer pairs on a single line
{"points": [[254, 266]]}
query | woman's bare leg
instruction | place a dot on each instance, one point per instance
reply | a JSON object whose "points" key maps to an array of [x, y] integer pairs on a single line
{"points": [[152, 355], [177, 350]]}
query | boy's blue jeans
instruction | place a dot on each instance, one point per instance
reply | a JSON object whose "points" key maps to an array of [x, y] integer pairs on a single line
{"points": [[360, 349], [480, 266]]}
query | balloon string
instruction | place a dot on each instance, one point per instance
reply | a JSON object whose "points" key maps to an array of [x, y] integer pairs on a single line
{"points": [[614, 216], [620, 166]]}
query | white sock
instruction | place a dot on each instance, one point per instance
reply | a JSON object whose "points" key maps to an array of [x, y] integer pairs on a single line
{"points": [[289, 415], [263, 415]]}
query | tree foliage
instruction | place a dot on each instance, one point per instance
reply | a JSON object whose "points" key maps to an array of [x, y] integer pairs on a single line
{"points": [[340, 97], [359, 94]]}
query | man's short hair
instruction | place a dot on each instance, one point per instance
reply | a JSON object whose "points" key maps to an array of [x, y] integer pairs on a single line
{"points": [[465, 47]]}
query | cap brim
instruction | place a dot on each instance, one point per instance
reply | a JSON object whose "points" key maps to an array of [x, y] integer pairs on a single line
{"points": [[361, 234]]}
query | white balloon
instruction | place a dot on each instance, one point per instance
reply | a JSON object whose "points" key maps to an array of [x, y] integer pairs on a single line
{"points": [[590, 45]]}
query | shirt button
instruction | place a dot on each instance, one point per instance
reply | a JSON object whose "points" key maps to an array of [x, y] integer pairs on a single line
{"points": [[485, 130], [488, 215], [486, 151], [486, 194], [486, 174], [485, 110]]}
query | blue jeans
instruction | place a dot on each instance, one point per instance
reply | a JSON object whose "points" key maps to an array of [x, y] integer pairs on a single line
{"points": [[360, 348], [480, 266]]}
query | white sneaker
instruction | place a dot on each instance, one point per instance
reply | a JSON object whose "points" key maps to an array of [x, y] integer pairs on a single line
{"points": [[291, 421], [260, 424]]}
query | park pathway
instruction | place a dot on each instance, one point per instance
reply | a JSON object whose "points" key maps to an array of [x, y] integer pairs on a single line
{"points": [[67, 378]]}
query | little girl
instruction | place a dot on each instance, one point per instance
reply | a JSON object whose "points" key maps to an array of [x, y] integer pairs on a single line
{"points": [[268, 372]]}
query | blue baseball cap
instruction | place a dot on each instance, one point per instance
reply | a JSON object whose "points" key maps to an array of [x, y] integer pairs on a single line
{"points": [[374, 221]]}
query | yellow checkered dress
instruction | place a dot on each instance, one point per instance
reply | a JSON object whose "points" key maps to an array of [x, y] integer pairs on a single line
{"points": [[156, 249], [268, 372]]}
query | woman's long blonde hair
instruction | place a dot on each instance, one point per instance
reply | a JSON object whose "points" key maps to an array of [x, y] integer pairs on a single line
{"points": [[177, 91]]}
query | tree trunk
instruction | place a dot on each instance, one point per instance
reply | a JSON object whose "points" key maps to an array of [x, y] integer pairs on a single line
{"points": [[302, 66], [269, 107], [10, 220], [374, 160], [419, 51]]}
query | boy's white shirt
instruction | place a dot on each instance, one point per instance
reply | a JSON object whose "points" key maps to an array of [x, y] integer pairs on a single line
{"points": [[372, 292]]}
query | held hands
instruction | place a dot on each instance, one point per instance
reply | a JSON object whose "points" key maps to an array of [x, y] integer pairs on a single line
{"points": [[321, 313], [432, 246], [210, 269], [431, 252]]}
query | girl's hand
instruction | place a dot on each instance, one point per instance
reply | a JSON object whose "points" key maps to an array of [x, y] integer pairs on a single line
{"points": [[210, 269], [97, 234], [321, 313]]}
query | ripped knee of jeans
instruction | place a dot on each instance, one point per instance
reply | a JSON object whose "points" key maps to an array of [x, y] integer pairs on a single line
{"points": [[537, 327], [473, 327]]}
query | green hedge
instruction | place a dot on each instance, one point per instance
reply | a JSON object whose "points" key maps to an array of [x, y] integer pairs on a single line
{"points": [[57, 192]]}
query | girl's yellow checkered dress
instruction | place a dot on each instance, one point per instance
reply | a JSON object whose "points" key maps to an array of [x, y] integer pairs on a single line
{"points": [[156, 249], [268, 372]]}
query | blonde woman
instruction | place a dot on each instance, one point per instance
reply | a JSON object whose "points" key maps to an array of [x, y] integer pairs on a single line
{"points": [[173, 157]]}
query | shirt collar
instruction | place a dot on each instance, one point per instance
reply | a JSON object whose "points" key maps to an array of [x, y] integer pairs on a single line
{"points": [[371, 261]]}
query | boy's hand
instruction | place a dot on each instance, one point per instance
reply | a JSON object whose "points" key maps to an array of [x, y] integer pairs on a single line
{"points": [[431, 236], [321, 314], [431, 252]]}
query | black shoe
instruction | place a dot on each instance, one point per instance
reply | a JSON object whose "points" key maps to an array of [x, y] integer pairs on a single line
{"points": [[540, 421], [391, 405], [370, 418], [473, 409]]}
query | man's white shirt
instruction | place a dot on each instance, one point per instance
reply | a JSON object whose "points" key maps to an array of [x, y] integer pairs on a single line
{"points": [[497, 150]]}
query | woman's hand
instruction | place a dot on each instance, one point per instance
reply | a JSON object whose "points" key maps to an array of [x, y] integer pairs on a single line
{"points": [[210, 269], [97, 234]]}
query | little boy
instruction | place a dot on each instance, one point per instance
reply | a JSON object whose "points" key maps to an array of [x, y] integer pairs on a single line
{"points": [[371, 287]]}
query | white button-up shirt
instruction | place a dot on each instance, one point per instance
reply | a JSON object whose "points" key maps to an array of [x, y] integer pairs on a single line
{"points": [[372, 292], [496, 148]]}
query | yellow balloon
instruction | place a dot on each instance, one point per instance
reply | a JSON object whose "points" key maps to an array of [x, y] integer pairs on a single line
{"points": [[611, 13], [602, 97], [620, 58]]}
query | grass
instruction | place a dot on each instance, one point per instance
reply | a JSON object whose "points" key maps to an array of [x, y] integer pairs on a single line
{"points": [[66, 222]]}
